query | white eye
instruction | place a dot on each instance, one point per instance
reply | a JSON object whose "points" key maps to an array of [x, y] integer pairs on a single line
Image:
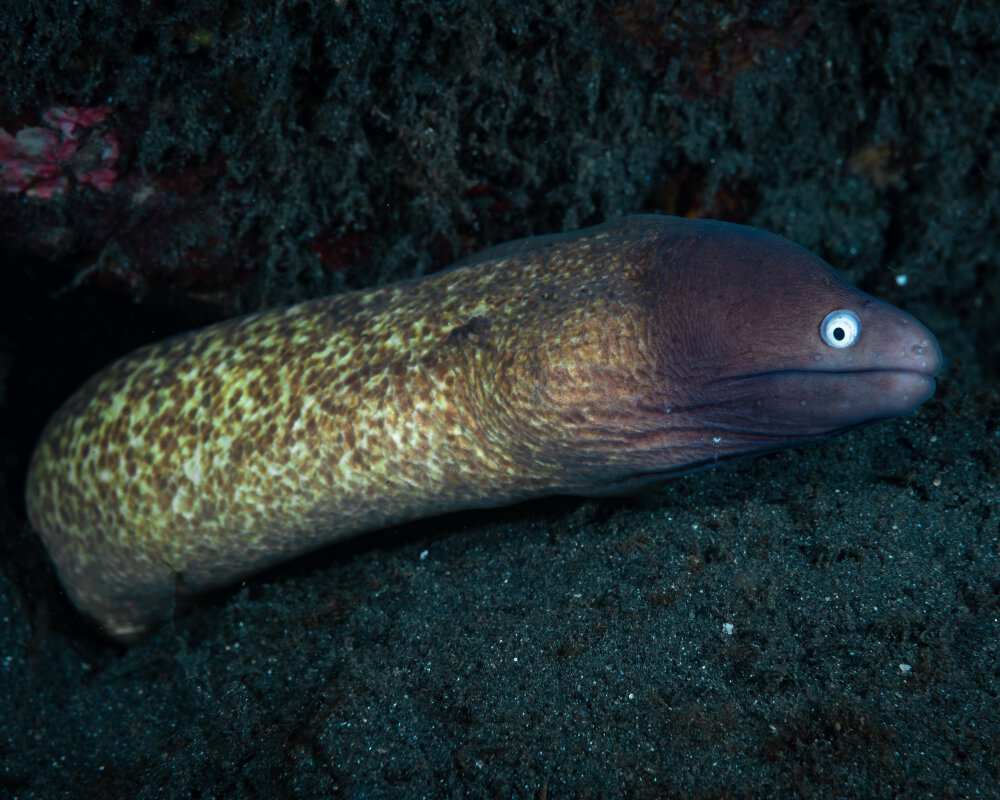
{"points": [[840, 328]]}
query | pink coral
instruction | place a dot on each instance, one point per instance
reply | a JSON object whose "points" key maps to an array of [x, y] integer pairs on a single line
{"points": [[38, 160]]}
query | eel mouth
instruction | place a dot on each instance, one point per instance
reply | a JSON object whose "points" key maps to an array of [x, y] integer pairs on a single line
{"points": [[812, 403], [751, 415]]}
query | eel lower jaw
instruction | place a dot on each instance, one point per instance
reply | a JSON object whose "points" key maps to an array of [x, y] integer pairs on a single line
{"points": [[808, 404], [752, 415]]}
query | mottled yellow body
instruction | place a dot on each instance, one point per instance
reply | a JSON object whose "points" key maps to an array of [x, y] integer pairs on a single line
{"points": [[201, 459], [574, 363]]}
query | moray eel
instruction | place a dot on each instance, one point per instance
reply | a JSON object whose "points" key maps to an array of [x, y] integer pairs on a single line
{"points": [[582, 363]]}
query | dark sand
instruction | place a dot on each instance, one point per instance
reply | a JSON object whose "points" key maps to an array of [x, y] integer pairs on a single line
{"points": [[570, 647]]}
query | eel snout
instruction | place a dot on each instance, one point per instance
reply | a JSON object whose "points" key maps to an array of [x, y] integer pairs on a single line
{"points": [[888, 371]]}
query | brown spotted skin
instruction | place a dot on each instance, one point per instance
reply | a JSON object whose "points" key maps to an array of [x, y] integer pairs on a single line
{"points": [[545, 365]]}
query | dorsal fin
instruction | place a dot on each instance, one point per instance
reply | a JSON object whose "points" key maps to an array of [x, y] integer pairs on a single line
{"points": [[631, 227]]}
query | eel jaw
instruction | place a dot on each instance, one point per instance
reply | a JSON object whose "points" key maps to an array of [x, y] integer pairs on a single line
{"points": [[755, 414], [811, 404]]}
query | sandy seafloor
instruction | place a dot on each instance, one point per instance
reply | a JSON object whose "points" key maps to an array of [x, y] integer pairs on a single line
{"points": [[821, 622]]}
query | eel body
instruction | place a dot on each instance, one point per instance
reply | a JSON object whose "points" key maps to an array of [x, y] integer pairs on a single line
{"points": [[576, 363]]}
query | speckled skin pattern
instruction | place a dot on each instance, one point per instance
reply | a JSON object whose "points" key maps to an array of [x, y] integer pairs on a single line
{"points": [[557, 364]]}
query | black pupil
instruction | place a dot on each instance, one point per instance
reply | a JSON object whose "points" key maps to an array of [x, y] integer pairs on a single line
{"points": [[838, 334]]}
